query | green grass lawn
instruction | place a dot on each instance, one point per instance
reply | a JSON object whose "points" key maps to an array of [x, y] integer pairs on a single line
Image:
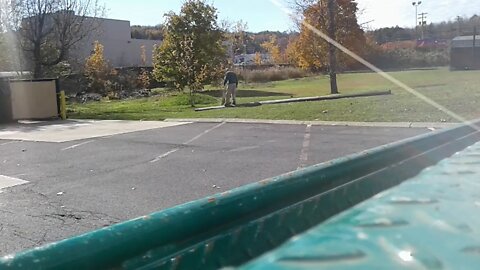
{"points": [[457, 91]]}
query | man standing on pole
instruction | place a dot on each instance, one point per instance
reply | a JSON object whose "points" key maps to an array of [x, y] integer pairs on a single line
{"points": [[231, 84]]}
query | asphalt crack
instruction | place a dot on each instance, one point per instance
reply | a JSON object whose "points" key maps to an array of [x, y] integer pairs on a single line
{"points": [[29, 218]]}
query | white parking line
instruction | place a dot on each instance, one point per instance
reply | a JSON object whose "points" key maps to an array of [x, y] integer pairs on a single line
{"points": [[305, 147], [205, 132], [77, 145], [7, 182], [165, 155], [187, 142], [245, 148]]}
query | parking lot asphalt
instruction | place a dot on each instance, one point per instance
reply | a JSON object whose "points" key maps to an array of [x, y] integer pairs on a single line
{"points": [[70, 187]]}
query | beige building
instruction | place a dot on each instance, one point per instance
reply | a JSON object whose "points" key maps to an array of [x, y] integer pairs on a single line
{"points": [[120, 49]]}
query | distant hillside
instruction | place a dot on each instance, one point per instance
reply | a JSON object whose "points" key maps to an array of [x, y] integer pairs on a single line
{"points": [[388, 37], [148, 32], [440, 31], [253, 41]]}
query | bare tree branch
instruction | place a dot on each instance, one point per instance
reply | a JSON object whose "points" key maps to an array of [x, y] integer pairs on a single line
{"points": [[49, 29]]}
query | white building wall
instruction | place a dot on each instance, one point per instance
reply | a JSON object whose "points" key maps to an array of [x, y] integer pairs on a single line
{"points": [[120, 50]]}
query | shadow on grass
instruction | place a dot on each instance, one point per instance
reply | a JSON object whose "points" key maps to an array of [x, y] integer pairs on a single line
{"points": [[245, 93], [251, 104], [430, 85]]}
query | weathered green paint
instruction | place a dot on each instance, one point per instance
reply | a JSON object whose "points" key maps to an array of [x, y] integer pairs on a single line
{"points": [[233, 227], [430, 222]]}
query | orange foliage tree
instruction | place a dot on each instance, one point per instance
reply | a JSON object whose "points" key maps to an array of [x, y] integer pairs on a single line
{"points": [[258, 58], [144, 76], [310, 51], [97, 71], [273, 49], [292, 55]]}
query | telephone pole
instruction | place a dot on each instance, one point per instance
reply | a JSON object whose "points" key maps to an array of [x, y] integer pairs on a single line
{"points": [[422, 17]]}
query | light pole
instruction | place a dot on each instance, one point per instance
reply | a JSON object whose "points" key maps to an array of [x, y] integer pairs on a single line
{"points": [[416, 4]]}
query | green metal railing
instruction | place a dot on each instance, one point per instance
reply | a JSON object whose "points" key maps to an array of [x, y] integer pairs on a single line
{"points": [[233, 227], [431, 221]]}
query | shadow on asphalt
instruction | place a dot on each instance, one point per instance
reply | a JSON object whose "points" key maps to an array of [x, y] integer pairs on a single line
{"points": [[37, 125]]}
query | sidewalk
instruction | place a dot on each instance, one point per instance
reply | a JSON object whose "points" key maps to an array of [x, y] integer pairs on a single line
{"points": [[72, 130]]}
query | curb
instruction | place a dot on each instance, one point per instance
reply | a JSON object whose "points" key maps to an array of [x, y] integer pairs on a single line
{"points": [[318, 123]]}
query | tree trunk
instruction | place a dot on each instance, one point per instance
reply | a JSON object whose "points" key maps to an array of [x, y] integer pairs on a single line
{"points": [[37, 71], [37, 62], [331, 47]]}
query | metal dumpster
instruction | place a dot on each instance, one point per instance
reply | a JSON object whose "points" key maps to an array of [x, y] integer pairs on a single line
{"points": [[237, 226]]}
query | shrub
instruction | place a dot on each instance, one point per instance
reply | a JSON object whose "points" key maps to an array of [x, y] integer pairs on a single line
{"points": [[295, 73], [126, 80], [143, 79]]}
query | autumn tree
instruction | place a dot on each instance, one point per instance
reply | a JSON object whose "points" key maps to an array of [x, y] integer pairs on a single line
{"points": [[313, 50], [97, 70], [273, 49], [192, 53], [258, 59], [48, 30], [144, 76], [291, 53]]}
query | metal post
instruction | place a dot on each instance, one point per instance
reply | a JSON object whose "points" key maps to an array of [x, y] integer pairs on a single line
{"points": [[63, 106]]}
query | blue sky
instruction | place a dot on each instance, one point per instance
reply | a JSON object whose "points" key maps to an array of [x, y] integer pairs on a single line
{"points": [[264, 15]]}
